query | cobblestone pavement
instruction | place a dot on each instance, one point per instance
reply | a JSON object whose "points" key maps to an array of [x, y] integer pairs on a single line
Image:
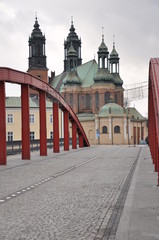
{"points": [[66, 196]]}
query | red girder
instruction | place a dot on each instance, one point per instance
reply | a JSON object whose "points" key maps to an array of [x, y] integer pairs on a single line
{"points": [[154, 111], [22, 78]]}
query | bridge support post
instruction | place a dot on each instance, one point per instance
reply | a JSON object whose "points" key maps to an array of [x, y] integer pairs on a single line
{"points": [[56, 127], [74, 135], [43, 135], [3, 154], [66, 130], [81, 144], [25, 122]]}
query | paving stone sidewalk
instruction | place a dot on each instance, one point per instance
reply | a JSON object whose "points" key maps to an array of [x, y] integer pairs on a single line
{"points": [[140, 217], [66, 196]]}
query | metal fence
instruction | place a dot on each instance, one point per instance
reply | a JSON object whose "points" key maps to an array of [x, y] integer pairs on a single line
{"points": [[14, 147]]}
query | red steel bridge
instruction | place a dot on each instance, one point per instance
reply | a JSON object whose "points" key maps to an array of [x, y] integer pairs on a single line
{"points": [[45, 90], [153, 115]]}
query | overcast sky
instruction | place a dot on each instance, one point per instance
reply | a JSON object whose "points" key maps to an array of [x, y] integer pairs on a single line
{"points": [[134, 23]]}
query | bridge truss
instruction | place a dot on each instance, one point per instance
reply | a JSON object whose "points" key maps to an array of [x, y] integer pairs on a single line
{"points": [[153, 107], [45, 91]]}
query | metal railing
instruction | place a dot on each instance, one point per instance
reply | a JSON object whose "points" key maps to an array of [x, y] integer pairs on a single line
{"points": [[15, 147]]}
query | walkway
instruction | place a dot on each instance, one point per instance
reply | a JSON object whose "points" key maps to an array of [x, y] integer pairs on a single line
{"points": [[80, 195]]}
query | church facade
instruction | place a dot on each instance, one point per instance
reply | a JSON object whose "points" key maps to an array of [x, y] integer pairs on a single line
{"points": [[95, 92]]}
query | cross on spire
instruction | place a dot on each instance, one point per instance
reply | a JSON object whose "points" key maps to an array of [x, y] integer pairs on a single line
{"points": [[102, 34], [71, 20], [113, 41], [36, 15]]}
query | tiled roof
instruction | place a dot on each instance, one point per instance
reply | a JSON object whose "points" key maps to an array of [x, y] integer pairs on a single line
{"points": [[15, 102], [134, 114], [86, 116], [86, 73]]}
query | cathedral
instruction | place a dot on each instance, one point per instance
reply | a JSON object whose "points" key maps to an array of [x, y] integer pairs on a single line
{"points": [[93, 89], [95, 92]]}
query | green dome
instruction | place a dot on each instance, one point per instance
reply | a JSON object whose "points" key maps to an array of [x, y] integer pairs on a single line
{"points": [[103, 47], [114, 53], [113, 108], [72, 78], [103, 75], [117, 79]]}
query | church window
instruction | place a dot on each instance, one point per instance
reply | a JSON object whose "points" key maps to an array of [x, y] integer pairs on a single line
{"points": [[121, 98], [88, 100], [105, 62], [106, 97], [30, 51], [38, 50], [117, 129], [97, 100], [104, 129], [114, 68], [43, 49], [71, 65], [71, 99], [116, 98], [100, 62]]}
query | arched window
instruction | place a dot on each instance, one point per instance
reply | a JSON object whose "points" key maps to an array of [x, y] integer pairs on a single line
{"points": [[38, 50], [97, 100], [71, 65], [71, 99], [88, 101], [106, 97], [116, 129], [116, 98], [65, 96], [90, 135], [104, 129]]}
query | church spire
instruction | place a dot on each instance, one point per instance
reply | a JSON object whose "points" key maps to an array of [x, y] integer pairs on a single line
{"points": [[103, 74], [71, 20], [37, 56], [36, 25], [114, 65], [76, 42], [114, 59], [103, 53]]}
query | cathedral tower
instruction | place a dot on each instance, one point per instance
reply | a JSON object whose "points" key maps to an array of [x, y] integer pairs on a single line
{"points": [[73, 39], [37, 56]]}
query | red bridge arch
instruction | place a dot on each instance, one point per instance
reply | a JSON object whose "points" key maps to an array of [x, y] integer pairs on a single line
{"points": [[153, 109], [28, 81]]}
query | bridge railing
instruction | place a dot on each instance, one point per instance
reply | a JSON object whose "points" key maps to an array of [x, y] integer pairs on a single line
{"points": [[153, 112], [44, 90], [15, 147]]}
